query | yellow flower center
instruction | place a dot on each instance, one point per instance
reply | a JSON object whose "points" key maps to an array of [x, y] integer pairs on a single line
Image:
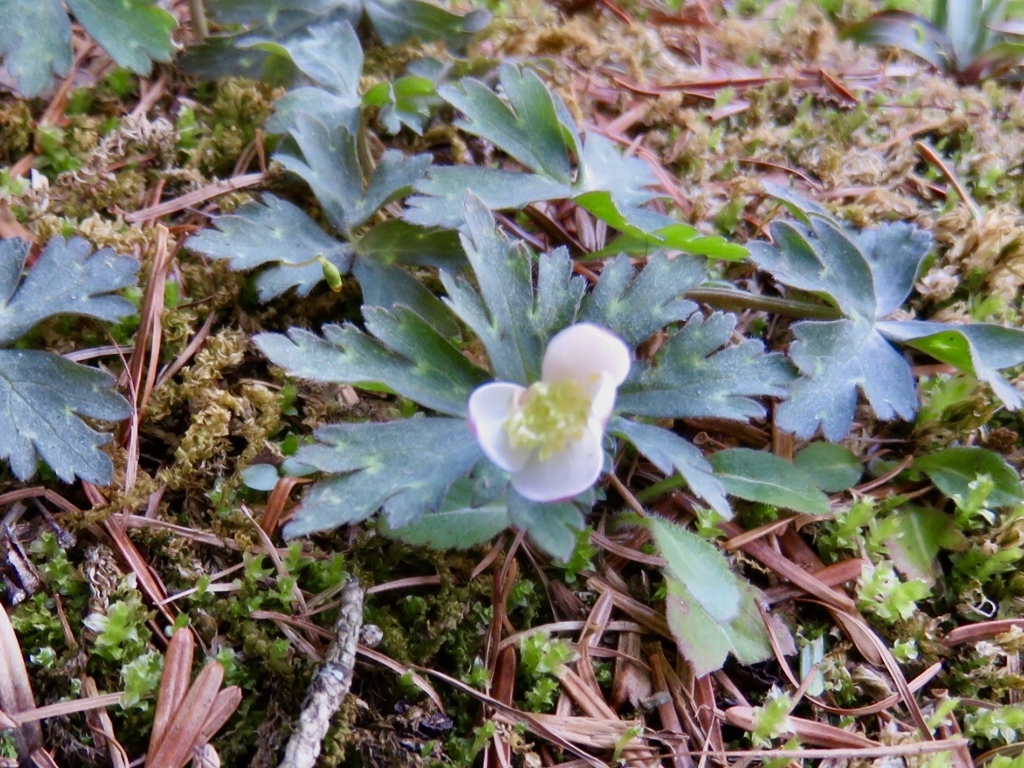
{"points": [[550, 416]]}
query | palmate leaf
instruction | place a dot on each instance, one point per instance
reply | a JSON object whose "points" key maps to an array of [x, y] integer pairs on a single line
{"points": [[867, 276], [460, 523], [35, 37], [636, 305], [68, 278], [694, 374], [329, 163], [42, 399], [534, 127], [396, 21], [552, 527], [408, 357], [134, 32], [273, 233], [404, 468], [513, 320], [36, 47], [42, 395]]}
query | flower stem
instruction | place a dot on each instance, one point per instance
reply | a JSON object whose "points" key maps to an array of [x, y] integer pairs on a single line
{"points": [[728, 298], [660, 488]]}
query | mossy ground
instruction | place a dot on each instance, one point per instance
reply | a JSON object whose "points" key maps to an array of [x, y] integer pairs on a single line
{"points": [[765, 105]]}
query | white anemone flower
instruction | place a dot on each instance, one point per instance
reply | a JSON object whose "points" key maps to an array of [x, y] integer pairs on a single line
{"points": [[548, 435]]}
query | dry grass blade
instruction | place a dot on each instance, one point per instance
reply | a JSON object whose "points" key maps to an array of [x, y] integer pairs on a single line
{"points": [[173, 684], [16, 690], [175, 749], [103, 728], [808, 731], [195, 198]]}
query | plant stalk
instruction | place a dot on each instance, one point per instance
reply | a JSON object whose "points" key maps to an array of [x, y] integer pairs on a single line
{"points": [[727, 298]]}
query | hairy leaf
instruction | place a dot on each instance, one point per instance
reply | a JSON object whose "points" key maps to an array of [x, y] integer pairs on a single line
{"points": [[512, 320], [134, 32], [552, 527], [706, 643], [635, 305], [68, 278], [764, 477], [42, 399], [670, 453], [35, 42], [694, 374], [699, 566], [408, 357], [331, 56], [833, 467], [388, 286], [404, 468], [398, 242], [278, 233]]}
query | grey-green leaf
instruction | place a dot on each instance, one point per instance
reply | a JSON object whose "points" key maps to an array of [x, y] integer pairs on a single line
{"points": [[397, 21], [35, 42], [635, 305], [458, 524], [404, 468], [134, 32], [552, 527], [670, 453], [764, 477], [68, 278], [275, 232], [413, 360], [694, 374], [43, 398]]}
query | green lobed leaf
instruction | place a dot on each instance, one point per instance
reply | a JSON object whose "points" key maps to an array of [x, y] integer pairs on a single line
{"points": [[388, 286], [977, 349], [276, 233], [404, 468], [635, 305], [134, 32], [866, 275], [953, 469], [526, 126], [36, 47], [832, 467], [706, 643], [331, 56], [458, 524], [552, 527], [408, 357], [43, 398], [699, 566], [512, 319], [408, 101], [694, 374], [398, 242], [398, 21], [604, 168], [670, 453], [68, 278], [330, 165], [443, 192], [768, 479]]}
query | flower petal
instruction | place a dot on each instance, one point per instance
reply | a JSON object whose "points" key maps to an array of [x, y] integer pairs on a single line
{"points": [[564, 474], [490, 406], [602, 400], [582, 351]]}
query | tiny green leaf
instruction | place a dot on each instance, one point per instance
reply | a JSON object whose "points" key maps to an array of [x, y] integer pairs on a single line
{"points": [[764, 477], [916, 535]]}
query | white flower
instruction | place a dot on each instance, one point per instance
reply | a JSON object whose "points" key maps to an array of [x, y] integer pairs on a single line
{"points": [[548, 435]]}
